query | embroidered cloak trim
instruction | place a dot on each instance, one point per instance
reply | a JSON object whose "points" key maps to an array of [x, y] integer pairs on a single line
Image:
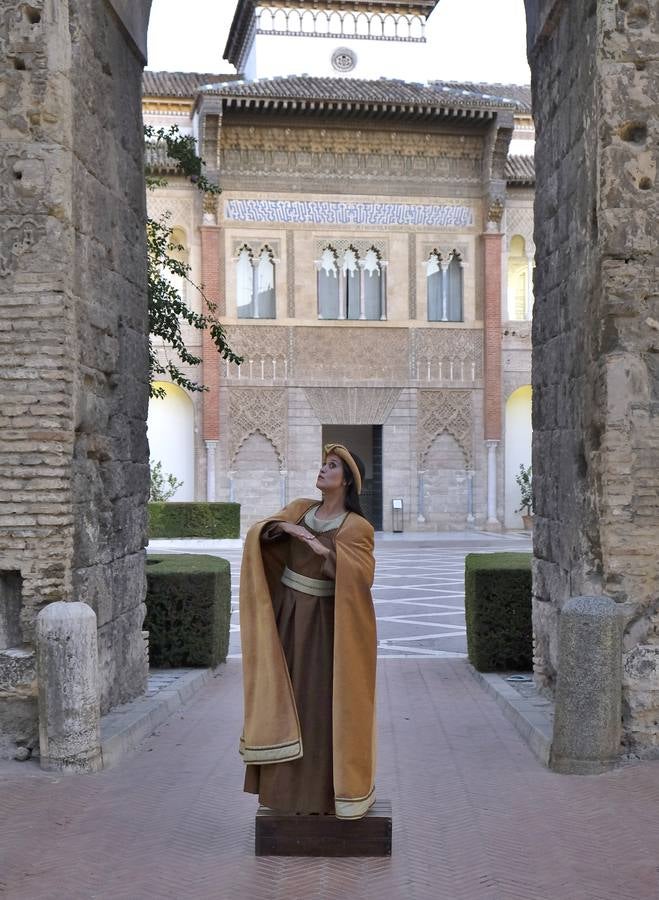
{"points": [[271, 732]]}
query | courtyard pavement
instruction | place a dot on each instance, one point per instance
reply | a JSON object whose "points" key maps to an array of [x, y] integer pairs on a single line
{"points": [[418, 591], [476, 817]]}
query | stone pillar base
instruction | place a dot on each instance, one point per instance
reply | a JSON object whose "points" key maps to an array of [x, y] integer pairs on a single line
{"points": [[67, 672], [587, 722]]}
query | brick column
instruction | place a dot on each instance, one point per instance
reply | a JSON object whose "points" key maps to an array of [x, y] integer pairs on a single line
{"points": [[211, 279], [492, 246]]}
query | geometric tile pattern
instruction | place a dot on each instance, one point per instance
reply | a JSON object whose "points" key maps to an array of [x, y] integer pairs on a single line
{"points": [[475, 815]]}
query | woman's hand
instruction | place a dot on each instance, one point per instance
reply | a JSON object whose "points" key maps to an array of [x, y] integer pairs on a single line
{"points": [[303, 534]]}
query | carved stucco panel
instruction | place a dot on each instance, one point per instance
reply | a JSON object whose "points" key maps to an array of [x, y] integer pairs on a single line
{"points": [[440, 411], [262, 410], [258, 342], [519, 220], [352, 406], [180, 211], [337, 355], [462, 345]]}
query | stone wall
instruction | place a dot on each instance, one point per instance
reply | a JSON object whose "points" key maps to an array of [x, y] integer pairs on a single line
{"points": [[596, 331], [73, 325]]}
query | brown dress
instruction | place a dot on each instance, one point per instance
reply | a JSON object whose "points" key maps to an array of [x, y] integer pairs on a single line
{"points": [[305, 624]]}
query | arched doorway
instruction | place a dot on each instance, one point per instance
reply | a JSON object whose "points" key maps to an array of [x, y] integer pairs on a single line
{"points": [[256, 480], [445, 484], [170, 430], [517, 450]]}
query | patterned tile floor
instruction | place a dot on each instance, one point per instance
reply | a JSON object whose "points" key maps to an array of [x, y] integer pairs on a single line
{"points": [[418, 592]]}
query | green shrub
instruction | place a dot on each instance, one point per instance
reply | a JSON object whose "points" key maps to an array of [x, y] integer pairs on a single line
{"points": [[188, 603], [498, 611], [194, 520]]}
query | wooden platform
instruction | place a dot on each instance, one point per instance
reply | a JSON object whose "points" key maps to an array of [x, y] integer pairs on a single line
{"points": [[279, 834]]}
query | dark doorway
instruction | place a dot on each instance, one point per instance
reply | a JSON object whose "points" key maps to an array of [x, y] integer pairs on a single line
{"points": [[366, 442]]}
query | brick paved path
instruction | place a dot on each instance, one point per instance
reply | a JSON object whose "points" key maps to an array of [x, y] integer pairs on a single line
{"points": [[476, 816]]}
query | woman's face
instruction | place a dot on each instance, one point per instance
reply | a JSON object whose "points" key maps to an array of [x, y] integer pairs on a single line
{"points": [[331, 474]]}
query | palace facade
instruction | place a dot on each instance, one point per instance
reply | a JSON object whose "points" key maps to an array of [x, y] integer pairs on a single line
{"points": [[371, 255]]}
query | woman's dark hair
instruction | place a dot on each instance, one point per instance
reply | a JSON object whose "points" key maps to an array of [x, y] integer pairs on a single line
{"points": [[352, 497]]}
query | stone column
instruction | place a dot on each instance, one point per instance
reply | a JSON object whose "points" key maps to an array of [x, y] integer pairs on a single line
{"points": [[492, 483], [492, 242], [383, 291], [69, 704], [529, 285], [421, 505], [341, 275], [470, 497], [444, 317], [362, 289], [283, 484], [211, 494]]}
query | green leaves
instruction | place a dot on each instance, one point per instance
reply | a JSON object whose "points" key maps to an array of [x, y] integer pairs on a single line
{"points": [[163, 484], [167, 308], [525, 481]]}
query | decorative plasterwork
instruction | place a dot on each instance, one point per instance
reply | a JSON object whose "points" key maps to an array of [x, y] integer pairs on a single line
{"points": [[22, 201], [179, 211], [386, 22], [258, 342], [256, 242], [444, 411], [449, 354], [262, 410], [352, 406], [334, 355], [445, 249], [519, 220], [342, 244], [327, 212], [357, 142], [360, 155]]}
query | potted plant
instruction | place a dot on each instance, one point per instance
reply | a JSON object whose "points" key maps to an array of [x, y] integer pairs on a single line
{"points": [[527, 506]]}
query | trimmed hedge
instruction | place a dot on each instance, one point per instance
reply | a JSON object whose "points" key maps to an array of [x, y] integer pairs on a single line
{"points": [[188, 609], [189, 520], [498, 611]]}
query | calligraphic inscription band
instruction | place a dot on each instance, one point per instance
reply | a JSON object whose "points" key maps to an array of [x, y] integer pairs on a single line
{"points": [[326, 212]]}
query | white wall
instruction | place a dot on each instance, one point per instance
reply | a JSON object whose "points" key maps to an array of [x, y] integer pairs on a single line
{"points": [[280, 54], [517, 450], [170, 429]]}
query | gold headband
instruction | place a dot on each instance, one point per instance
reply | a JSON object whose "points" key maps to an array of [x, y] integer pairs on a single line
{"points": [[345, 454]]}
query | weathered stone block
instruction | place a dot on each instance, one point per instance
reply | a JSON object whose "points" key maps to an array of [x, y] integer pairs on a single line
{"points": [[67, 667], [587, 723]]}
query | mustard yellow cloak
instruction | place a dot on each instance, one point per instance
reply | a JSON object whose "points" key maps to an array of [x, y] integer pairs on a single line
{"points": [[271, 732]]}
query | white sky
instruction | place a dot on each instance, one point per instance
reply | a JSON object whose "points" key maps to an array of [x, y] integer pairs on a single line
{"points": [[472, 40]]}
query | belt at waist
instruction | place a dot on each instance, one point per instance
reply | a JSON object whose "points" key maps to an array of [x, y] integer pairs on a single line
{"points": [[313, 586]]}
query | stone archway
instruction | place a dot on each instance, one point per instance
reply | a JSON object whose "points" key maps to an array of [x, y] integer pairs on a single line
{"points": [[72, 258]]}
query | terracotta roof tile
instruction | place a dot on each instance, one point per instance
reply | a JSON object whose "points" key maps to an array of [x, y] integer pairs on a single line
{"points": [[179, 84], [518, 93], [383, 91], [520, 170]]}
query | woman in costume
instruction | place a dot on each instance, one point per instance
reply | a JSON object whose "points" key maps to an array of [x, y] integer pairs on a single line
{"points": [[309, 650]]}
